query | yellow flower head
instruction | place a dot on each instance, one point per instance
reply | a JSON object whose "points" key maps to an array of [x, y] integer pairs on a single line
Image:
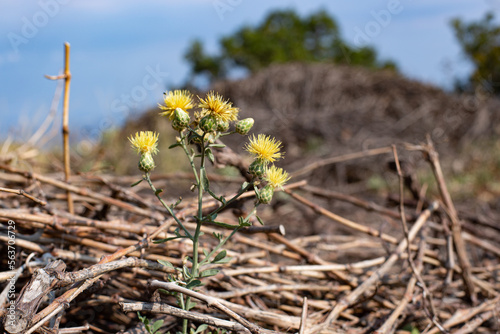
{"points": [[181, 99], [145, 142], [264, 148], [215, 105], [276, 177]]}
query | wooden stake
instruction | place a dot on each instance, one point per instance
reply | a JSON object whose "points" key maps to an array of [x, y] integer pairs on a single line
{"points": [[65, 126]]}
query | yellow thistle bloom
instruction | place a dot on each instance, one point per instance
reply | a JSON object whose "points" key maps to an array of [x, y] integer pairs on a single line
{"points": [[181, 99], [276, 177], [264, 148], [145, 142], [215, 105]]}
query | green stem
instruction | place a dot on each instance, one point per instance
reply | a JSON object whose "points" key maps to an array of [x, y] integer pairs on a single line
{"points": [[205, 260], [190, 157], [199, 220], [228, 202], [148, 179], [183, 306]]}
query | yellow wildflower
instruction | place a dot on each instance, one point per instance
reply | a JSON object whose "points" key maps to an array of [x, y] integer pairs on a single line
{"points": [[178, 99], [264, 148], [276, 177], [215, 105], [145, 142]]}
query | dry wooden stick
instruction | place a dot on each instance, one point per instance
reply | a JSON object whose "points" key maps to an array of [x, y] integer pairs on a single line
{"points": [[432, 156], [368, 206], [319, 304], [473, 324], [461, 315], [352, 297], [311, 257], [303, 317], [275, 288], [65, 126], [68, 278], [85, 192], [388, 326], [268, 317], [23, 193], [211, 302], [341, 158], [304, 269], [58, 304], [177, 312], [254, 243], [484, 244], [416, 272]]}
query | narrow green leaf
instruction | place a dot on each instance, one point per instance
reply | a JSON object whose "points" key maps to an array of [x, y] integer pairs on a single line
{"points": [[244, 185], [156, 326], [193, 284], [136, 183], [210, 156], [205, 252], [225, 260], [190, 305], [201, 328], [260, 220], [209, 272], [174, 145], [186, 272], [243, 222], [166, 263], [142, 318], [220, 256], [204, 179], [160, 241], [227, 226]]}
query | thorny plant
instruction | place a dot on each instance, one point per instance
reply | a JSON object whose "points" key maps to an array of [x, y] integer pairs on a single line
{"points": [[199, 134]]}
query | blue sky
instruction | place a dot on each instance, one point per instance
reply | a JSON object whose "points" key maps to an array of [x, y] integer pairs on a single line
{"points": [[125, 53]]}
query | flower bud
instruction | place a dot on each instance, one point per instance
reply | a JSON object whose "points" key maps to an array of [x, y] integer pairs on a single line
{"points": [[208, 124], [181, 120], [244, 126], [146, 162], [257, 168], [222, 126], [266, 194]]}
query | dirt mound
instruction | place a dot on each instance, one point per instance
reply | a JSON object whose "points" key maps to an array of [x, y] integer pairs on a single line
{"points": [[334, 109], [321, 111]]}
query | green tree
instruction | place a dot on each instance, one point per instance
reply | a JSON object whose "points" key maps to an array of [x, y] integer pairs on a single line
{"points": [[480, 41], [282, 37]]}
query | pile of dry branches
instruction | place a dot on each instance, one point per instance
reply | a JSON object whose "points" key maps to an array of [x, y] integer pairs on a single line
{"points": [[435, 271]]}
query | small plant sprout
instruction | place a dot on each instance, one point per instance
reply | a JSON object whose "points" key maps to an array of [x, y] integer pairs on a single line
{"points": [[197, 138]]}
